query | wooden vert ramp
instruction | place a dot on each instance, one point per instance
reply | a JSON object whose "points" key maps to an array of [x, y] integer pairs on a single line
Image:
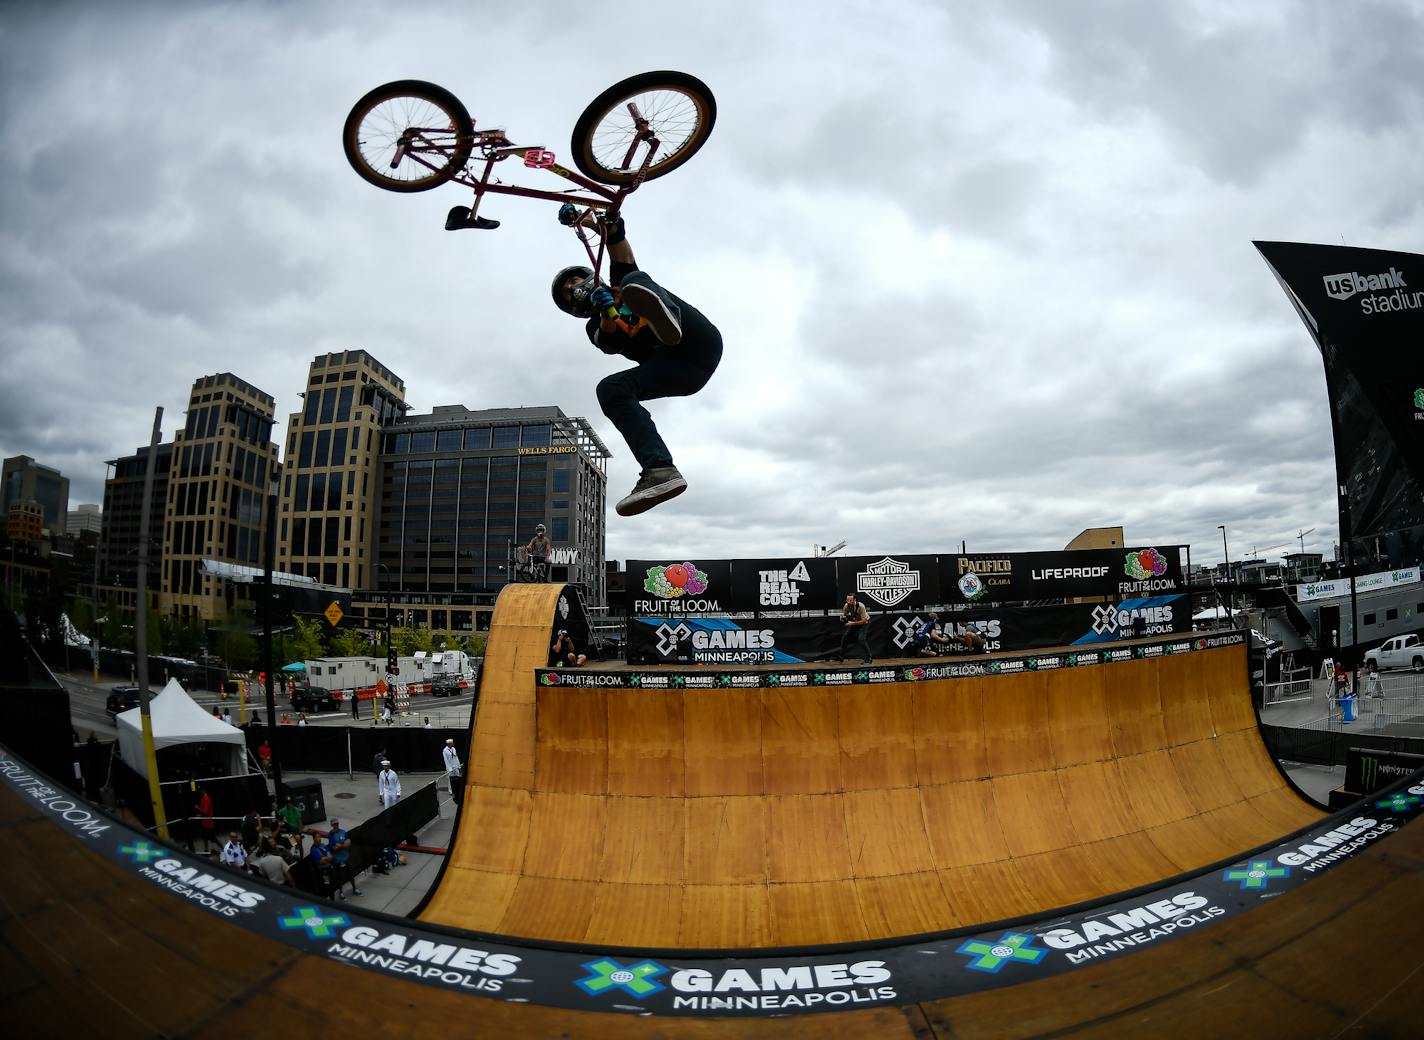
{"points": [[735, 819], [87, 948]]}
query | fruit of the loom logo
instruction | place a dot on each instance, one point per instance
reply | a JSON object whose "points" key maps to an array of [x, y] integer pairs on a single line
{"points": [[677, 579], [1148, 563]]}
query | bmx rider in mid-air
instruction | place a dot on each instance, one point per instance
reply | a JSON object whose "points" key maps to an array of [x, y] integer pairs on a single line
{"points": [[676, 349]]}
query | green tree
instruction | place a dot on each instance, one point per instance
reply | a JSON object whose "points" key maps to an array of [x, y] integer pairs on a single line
{"points": [[478, 641], [408, 640], [304, 641], [182, 638], [350, 642], [238, 648], [153, 631], [117, 633], [81, 616]]}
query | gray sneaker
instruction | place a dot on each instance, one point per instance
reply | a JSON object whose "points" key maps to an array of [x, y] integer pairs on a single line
{"points": [[662, 317], [655, 485]]}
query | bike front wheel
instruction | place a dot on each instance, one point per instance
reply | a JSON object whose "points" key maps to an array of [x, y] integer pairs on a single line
{"points": [[408, 136], [678, 108]]}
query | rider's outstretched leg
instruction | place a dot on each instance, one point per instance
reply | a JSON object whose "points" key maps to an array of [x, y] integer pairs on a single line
{"points": [[655, 305]]}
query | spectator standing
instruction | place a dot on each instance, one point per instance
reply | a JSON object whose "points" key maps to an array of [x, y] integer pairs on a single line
{"points": [[206, 828], [264, 757], [855, 621], [452, 766], [339, 842], [301, 720], [234, 853], [251, 830], [388, 782]]}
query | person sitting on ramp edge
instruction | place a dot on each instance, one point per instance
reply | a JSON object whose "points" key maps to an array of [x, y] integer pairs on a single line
{"points": [[676, 349]]}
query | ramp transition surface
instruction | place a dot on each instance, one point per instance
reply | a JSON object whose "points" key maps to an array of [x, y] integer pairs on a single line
{"points": [[748, 818]]}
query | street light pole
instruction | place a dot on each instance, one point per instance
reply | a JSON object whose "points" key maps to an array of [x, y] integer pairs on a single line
{"points": [[1226, 557]]}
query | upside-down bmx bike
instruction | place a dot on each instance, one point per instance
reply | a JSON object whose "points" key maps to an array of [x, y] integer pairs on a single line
{"points": [[411, 136]]}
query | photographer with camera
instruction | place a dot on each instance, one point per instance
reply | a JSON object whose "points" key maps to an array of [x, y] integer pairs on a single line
{"points": [[676, 349]]}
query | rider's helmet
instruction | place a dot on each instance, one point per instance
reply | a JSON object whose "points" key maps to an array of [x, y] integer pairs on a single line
{"points": [[539, 529], [578, 308]]}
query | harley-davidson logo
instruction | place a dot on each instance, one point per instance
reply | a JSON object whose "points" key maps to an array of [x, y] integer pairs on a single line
{"points": [[887, 581]]}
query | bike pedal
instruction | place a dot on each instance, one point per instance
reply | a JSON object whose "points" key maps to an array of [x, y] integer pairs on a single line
{"points": [[459, 219]]}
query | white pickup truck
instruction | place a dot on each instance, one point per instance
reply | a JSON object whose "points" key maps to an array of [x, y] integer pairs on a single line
{"points": [[1399, 652]]}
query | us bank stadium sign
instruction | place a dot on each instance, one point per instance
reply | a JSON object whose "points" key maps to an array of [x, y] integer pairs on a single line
{"points": [[652, 981]]}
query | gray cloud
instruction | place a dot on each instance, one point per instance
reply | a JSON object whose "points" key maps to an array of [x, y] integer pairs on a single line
{"points": [[982, 275]]}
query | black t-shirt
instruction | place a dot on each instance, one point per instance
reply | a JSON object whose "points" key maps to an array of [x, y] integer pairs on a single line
{"points": [[638, 347]]}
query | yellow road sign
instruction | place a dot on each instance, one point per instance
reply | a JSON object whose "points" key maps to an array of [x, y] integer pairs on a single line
{"points": [[334, 613]]}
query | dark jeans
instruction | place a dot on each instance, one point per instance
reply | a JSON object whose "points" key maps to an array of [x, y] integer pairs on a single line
{"points": [[856, 633], [675, 371]]}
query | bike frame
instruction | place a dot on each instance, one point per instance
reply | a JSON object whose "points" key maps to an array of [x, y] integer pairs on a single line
{"points": [[492, 146]]}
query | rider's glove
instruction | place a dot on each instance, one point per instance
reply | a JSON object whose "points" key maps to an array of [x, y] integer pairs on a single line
{"points": [[602, 299], [568, 214], [614, 231]]}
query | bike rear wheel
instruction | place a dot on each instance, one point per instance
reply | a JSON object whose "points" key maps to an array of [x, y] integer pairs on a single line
{"points": [[680, 111], [421, 128]]}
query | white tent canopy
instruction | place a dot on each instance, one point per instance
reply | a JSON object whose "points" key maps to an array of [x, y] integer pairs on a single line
{"points": [[177, 719], [1214, 614]]}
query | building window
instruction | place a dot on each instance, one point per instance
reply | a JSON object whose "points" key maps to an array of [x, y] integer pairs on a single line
{"points": [[559, 529], [563, 480], [1369, 619], [328, 405], [536, 437], [1392, 614], [423, 440], [343, 407], [477, 438], [506, 436], [449, 440]]}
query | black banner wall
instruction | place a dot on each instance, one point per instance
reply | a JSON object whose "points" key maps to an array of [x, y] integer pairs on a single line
{"points": [[728, 641], [1010, 577], [679, 587], [898, 582], [790, 584], [1365, 310]]}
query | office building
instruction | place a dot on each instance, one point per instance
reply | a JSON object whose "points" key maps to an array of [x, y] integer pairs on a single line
{"points": [[223, 460], [461, 489], [329, 487], [84, 518], [119, 539], [22, 479]]}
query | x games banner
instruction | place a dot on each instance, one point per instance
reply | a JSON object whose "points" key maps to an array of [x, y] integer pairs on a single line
{"points": [[793, 640]]}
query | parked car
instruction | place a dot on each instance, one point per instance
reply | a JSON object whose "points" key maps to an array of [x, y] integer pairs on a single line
{"points": [[1398, 652], [314, 698], [122, 698], [445, 686]]}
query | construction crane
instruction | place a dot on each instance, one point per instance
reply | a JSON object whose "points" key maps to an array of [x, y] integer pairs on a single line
{"points": [[828, 550], [1301, 535], [1267, 549]]}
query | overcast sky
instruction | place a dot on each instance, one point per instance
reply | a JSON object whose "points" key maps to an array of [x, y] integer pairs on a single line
{"points": [[983, 271]]}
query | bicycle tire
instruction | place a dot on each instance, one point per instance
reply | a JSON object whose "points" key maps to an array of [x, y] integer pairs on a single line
{"points": [[680, 107], [379, 119]]}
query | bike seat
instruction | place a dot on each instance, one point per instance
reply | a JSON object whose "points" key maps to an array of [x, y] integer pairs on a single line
{"points": [[458, 219]]}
